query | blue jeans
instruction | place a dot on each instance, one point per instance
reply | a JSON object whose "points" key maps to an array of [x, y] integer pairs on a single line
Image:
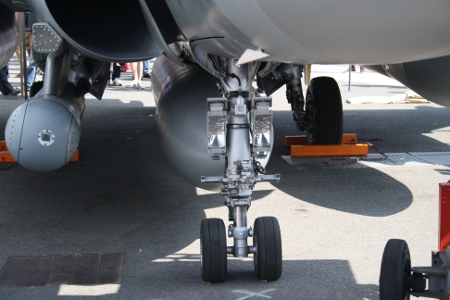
{"points": [[31, 74], [147, 66], [5, 86]]}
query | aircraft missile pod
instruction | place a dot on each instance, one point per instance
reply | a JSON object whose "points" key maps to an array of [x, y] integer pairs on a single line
{"points": [[42, 134]]}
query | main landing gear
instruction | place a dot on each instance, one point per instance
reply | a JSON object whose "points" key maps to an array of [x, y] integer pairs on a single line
{"points": [[323, 112], [240, 132], [320, 114]]}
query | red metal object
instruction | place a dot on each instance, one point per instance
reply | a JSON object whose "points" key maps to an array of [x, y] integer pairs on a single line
{"points": [[444, 215]]}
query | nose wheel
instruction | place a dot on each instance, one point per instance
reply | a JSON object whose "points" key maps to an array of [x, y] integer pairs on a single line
{"points": [[213, 249], [266, 249], [267, 242]]}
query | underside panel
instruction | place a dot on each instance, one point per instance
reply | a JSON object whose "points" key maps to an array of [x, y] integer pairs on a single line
{"points": [[322, 31]]}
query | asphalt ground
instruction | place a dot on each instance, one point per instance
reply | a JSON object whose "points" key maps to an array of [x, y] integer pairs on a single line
{"points": [[124, 197]]}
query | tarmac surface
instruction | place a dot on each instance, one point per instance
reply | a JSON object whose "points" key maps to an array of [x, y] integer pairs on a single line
{"points": [[124, 197]]}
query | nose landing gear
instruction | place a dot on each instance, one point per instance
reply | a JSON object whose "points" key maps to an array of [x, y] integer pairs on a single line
{"points": [[240, 131]]}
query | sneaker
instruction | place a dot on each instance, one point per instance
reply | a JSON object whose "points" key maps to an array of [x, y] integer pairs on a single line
{"points": [[116, 82], [140, 85], [15, 92], [147, 75], [133, 84]]}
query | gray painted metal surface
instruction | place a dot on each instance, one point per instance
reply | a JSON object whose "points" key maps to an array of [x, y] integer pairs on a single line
{"points": [[324, 31]]}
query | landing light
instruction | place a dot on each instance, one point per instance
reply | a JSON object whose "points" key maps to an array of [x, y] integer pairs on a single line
{"points": [[262, 125], [217, 125]]}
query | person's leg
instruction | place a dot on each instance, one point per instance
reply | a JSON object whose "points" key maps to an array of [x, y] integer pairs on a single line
{"points": [[28, 40], [139, 69], [6, 88], [31, 72], [2, 90], [134, 71], [146, 64], [139, 84], [116, 75]]}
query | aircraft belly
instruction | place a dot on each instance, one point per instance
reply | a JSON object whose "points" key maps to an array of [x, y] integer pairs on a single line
{"points": [[323, 31]]}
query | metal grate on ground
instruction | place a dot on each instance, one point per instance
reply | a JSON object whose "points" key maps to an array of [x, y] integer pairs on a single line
{"points": [[86, 269], [435, 158], [376, 161]]}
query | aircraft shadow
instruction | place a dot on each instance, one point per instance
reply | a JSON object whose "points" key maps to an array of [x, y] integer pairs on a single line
{"points": [[372, 192]]}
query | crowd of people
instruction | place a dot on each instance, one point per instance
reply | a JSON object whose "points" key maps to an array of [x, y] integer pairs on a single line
{"points": [[139, 70], [35, 61]]}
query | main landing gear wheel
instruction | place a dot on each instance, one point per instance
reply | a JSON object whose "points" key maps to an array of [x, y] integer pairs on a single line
{"points": [[213, 249], [323, 110], [395, 271], [267, 241]]}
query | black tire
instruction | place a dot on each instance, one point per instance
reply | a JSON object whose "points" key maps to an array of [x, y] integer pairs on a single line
{"points": [[395, 269], [267, 241], [213, 248], [324, 112]]}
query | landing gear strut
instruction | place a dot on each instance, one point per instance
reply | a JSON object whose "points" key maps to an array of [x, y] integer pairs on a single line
{"points": [[240, 131]]}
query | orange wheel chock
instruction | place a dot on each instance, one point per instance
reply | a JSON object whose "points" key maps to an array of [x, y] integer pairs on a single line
{"points": [[349, 147]]}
